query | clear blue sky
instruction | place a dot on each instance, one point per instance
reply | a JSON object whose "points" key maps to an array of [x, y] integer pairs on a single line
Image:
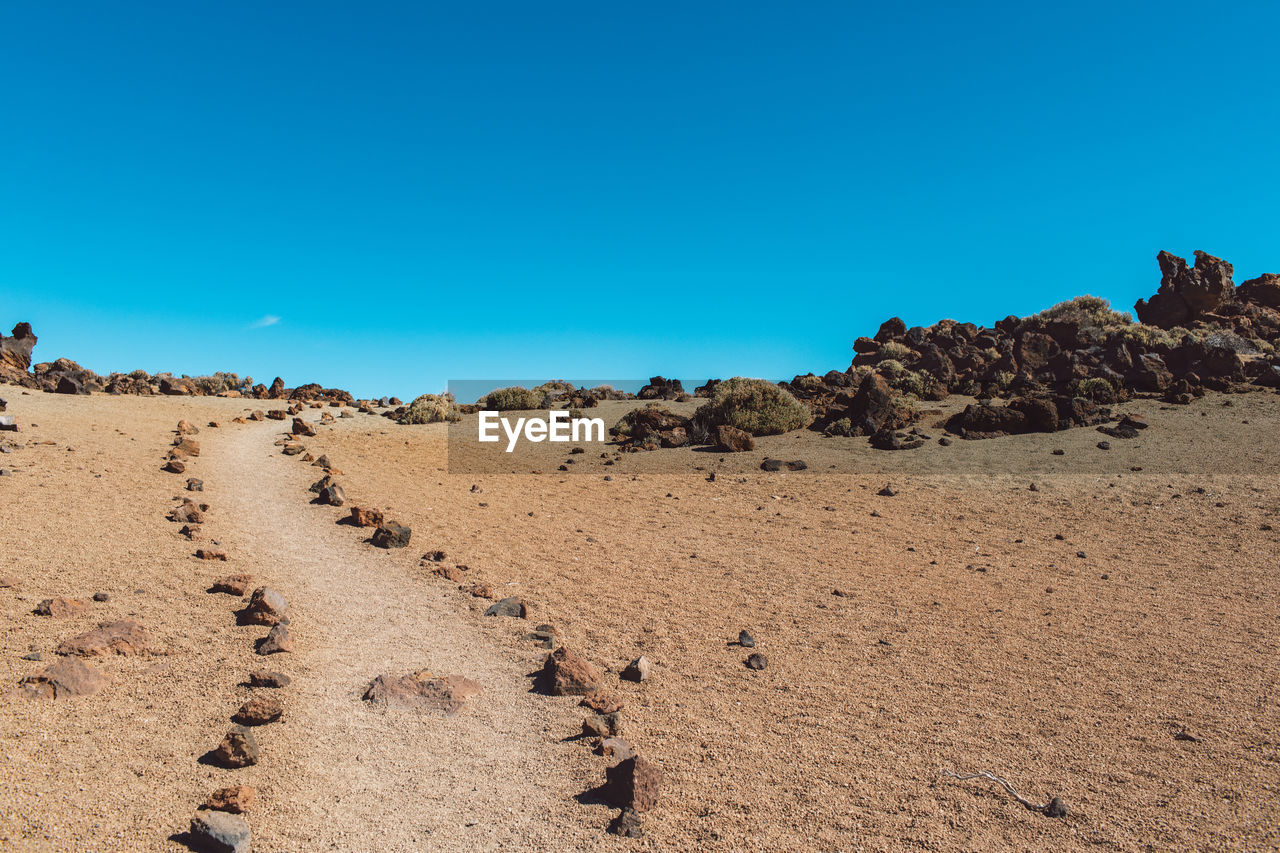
{"points": [[423, 191]]}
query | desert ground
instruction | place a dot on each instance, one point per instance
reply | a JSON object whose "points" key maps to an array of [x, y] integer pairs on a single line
{"points": [[1110, 636]]}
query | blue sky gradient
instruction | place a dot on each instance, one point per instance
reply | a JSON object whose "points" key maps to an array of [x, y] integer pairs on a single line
{"points": [[422, 192]]}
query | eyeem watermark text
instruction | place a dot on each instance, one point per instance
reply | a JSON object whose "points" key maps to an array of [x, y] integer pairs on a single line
{"points": [[557, 426]]}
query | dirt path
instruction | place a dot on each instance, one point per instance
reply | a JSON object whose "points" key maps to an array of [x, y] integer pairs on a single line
{"points": [[342, 775]]}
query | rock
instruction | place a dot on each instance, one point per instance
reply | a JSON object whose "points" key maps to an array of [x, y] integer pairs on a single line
{"points": [[512, 607], [186, 446], [628, 824], [1056, 808], [277, 414], [211, 554], [269, 678], [194, 485], [293, 449], [616, 748], [219, 832], [60, 608], [392, 535], [174, 466], [123, 637], [323, 461], [876, 406], [177, 387], [66, 678], [186, 512], [734, 440], [775, 465], [238, 748], [602, 725], [1186, 293], [746, 640], [422, 691], [637, 670], [266, 607], [570, 674], [232, 584], [634, 783], [186, 428], [333, 496], [15, 354], [278, 640], [69, 385], [1104, 445], [101, 597], [1263, 290], [7, 582], [259, 711], [661, 389], [320, 485], [361, 517], [190, 531], [8, 424], [888, 491], [887, 439], [301, 427], [237, 799], [757, 661]]}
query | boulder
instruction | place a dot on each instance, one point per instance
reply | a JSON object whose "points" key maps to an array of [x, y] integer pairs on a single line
{"points": [[178, 387], [301, 427], [638, 670], [332, 495], [1263, 290], [1187, 293], [877, 406], [269, 679], [15, 355]]}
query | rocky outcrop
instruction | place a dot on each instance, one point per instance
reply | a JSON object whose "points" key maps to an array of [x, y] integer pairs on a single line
{"points": [[15, 354], [1187, 293]]}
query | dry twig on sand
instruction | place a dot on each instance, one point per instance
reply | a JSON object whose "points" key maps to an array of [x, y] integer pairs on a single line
{"points": [[1054, 808]]}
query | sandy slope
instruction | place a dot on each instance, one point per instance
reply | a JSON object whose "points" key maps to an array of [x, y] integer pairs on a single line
{"points": [[967, 636]]}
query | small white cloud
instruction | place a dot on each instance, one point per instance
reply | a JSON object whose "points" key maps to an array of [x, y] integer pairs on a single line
{"points": [[264, 321]]}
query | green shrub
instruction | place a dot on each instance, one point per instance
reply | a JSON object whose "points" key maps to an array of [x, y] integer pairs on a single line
{"points": [[808, 382], [1095, 388], [1004, 379], [430, 409], [844, 427], [756, 406], [515, 398], [891, 369]]}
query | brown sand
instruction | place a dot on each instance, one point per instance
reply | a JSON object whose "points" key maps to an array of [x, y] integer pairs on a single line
{"points": [[967, 636]]}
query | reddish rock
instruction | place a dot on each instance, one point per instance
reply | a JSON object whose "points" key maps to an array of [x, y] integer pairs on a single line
{"points": [[362, 517], [211, 554], [277, 414], [237, 799], [259, 711], [301, 427], [422, 691], [175, 466], [67, 677], [186, 428], [111, 638], [186, 512], [570, 674], [734, 440], [232, 584], [187, 446], [60, 608]]}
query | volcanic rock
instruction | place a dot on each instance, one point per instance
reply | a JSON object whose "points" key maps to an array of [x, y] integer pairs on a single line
{"points": [[570, 674], [422, 691], [123, 637]]}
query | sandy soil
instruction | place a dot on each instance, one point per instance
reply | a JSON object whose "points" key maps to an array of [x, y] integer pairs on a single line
{"points": [[965, 635]]}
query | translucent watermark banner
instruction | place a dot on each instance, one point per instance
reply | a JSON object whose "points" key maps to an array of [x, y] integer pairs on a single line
{"points": [[610, 428]]}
